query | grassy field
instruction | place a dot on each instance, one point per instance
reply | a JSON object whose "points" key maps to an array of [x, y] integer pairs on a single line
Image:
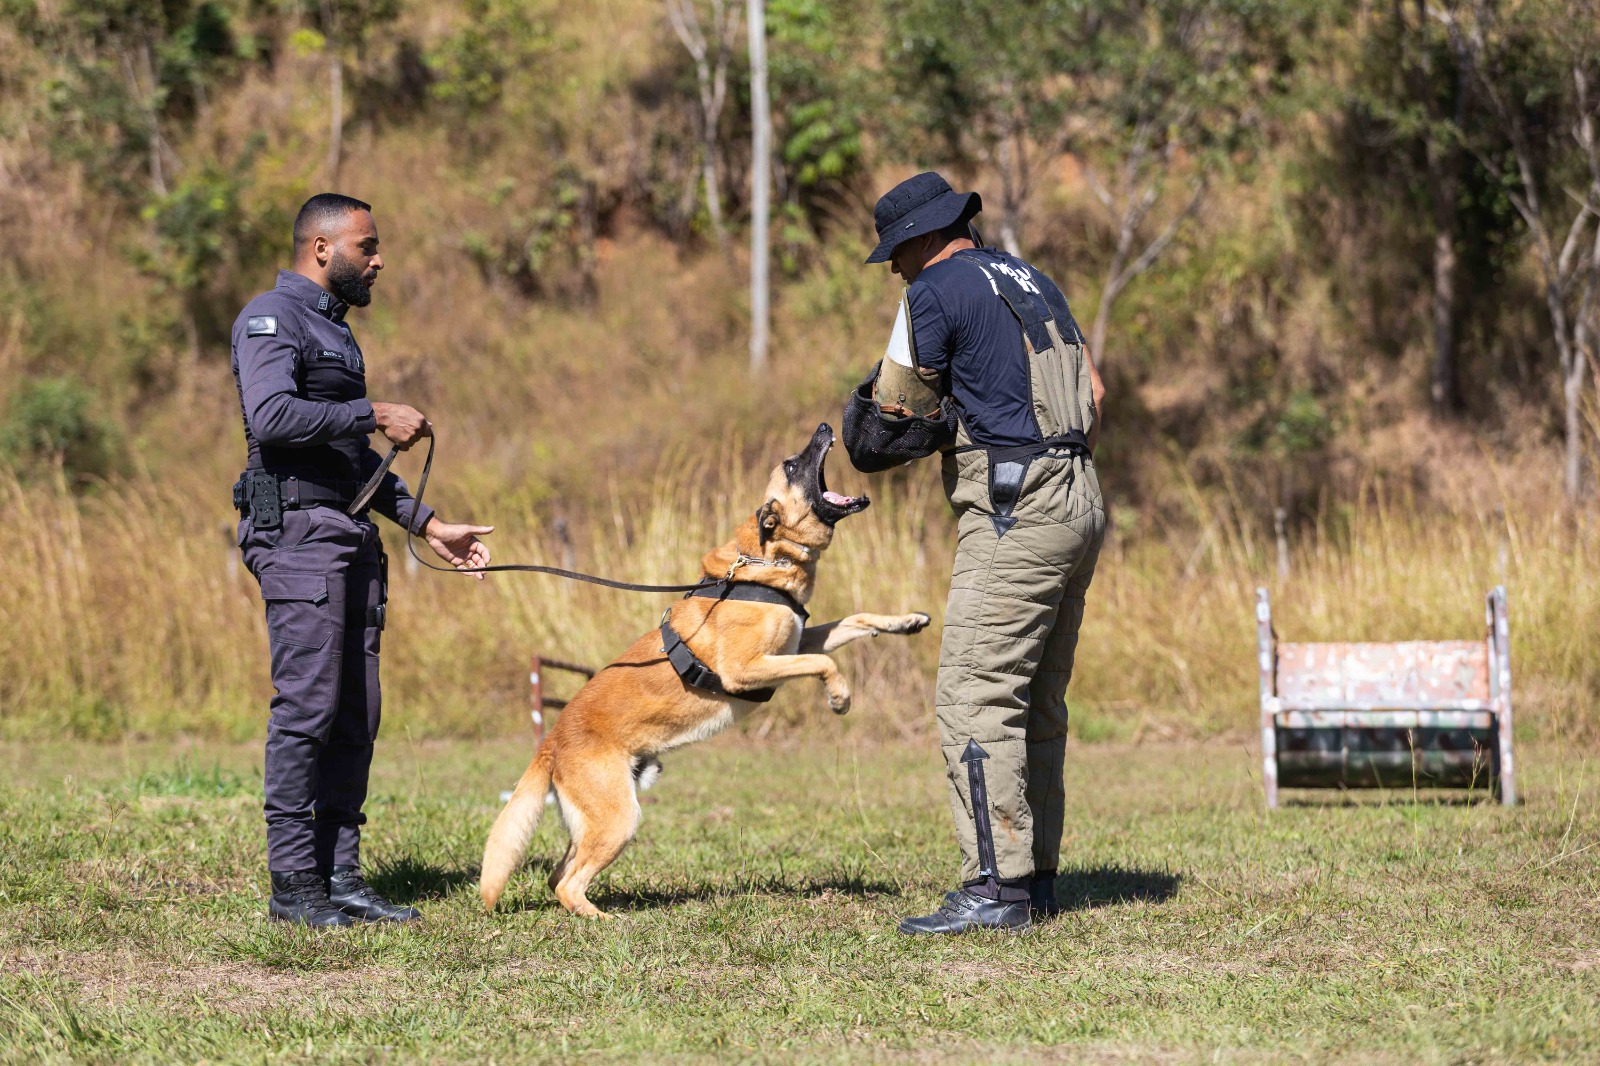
{"points": [[757, 911]]}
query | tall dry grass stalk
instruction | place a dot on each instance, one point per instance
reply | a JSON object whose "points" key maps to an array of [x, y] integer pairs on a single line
{"points": [[123, 613]]}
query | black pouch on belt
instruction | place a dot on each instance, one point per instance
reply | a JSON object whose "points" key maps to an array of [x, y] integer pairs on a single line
{"points": [[265, 499], [378, 613]]}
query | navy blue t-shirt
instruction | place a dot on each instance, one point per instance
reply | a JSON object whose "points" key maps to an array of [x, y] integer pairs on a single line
{"points": [[961, 327]]}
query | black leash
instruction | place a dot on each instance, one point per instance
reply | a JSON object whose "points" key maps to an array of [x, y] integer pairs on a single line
{"points": [[527, 568]]}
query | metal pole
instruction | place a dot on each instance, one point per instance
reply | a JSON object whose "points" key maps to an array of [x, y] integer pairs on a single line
{"points": [[760, 183], [1266, 664]]}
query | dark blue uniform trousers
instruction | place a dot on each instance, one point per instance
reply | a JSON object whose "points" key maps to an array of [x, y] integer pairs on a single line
{"points": [[321, 575]]}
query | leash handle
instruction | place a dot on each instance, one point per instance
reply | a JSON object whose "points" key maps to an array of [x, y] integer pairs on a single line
{"points": [[359, 504], [525, 568]]}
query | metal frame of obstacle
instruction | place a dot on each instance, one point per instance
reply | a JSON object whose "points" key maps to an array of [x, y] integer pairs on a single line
{"points": [[1413, 714], [539, 700]]}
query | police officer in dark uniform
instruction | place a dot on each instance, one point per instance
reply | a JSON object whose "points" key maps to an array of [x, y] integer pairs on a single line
{"points": [[302, 387]]}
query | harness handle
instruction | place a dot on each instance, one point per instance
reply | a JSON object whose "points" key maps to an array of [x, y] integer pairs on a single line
{"points": [[529, 568]]}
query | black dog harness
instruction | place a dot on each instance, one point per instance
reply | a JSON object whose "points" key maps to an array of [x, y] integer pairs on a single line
{"points": [[688, 664]]}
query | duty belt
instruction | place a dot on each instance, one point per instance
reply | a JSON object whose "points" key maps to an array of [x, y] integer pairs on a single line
{"points": [[688, 665], [263, 495]]}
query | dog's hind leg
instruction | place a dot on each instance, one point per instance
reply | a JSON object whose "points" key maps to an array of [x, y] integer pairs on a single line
{"points": [[561, 867], [602, 813]]}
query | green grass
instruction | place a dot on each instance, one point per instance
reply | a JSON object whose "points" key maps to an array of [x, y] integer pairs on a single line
{"points": [[757, 911]]}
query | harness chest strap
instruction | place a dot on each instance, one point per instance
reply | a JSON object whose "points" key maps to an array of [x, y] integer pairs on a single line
{"points": [[688, 665]]}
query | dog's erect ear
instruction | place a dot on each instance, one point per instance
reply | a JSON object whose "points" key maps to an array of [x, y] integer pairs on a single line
{"points": [[767, 521]]}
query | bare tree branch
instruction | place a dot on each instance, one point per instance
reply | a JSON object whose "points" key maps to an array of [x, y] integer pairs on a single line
{"points": [[712, 79], [1153, 250]]}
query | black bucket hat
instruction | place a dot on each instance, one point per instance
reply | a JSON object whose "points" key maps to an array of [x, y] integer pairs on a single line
{"points": [[916, 206]]}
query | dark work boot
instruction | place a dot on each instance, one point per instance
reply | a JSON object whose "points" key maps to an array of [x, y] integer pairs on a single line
{"points": [[302, 897], [349, 891], [1042, 894], [965, 910]]}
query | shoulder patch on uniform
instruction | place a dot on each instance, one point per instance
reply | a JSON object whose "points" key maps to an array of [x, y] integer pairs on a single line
{"points": [[261, 326]]}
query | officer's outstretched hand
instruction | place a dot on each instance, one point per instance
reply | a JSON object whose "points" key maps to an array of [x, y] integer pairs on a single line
{"points": [[401, 424], [458, 543]]}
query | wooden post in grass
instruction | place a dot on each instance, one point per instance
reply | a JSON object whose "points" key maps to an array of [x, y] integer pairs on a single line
{"points": [[536, 679], [540, 701], [1280, 532]]}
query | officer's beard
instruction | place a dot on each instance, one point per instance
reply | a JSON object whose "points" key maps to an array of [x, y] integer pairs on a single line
{"points": [[348, 281]]}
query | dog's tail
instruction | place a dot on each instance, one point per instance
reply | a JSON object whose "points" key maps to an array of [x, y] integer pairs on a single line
{"points": [[508, 840]]}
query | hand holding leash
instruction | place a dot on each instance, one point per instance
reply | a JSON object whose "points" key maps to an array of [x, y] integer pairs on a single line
{"points": [[478, 555], [457, 543]]}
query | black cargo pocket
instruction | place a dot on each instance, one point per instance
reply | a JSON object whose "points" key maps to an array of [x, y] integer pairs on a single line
{"points": [[297, 611]]}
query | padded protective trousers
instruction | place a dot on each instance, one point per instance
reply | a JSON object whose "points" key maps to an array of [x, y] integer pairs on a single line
{"points": [[1010, 636], [321, 575]]}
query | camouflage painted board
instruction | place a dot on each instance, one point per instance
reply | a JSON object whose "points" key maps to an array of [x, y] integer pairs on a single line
{"points": [[1410, 714]]}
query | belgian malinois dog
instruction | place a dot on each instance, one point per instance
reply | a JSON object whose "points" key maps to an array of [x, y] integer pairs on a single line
{"points": [[605, 745]]}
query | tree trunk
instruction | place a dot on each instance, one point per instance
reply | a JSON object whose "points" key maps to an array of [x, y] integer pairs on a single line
{"points": [[1013, 183], [330, 32], [713, 85], [683, 224], [1416, 59], [760, 187], [1444, 390], [1444, 168], [1108, 297], [1097, 332], [1572, 390], [144, 88], [335, 117], [710, 159]]}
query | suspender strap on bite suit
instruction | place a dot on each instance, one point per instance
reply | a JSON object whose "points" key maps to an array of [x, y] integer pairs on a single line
{"points": [[1022, 296]]}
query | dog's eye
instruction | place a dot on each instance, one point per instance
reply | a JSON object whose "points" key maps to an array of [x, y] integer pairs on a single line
{"points": [[788, 466]]}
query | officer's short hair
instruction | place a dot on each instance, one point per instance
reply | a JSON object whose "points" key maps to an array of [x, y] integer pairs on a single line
{"points": [[318, 215]]}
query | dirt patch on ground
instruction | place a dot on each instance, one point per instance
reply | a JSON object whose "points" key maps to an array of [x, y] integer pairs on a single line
{"points": [[236, 987]]}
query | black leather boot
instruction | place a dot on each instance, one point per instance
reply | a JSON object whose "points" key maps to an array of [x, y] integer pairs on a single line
{"points": [[349, 891], [1042, 894], [302, 896], [965, 910]]}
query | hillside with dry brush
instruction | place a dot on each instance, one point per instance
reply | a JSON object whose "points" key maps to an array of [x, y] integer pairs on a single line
{"points": [[1324, 188]]}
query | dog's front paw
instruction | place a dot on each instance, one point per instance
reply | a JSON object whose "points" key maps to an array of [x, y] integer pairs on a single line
{"points": [[915, 622], [839, 700]]}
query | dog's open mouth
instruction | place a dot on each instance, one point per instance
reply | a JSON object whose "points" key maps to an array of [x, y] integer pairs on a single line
{"points": [[832, 506]]}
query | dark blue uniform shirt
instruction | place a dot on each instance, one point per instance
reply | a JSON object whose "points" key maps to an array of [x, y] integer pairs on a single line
{"points": [[303, 391], [961, 327]]}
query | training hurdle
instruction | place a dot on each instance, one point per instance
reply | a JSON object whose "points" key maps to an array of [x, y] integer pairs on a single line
{"points": [[540, 701], [1411, 714]]}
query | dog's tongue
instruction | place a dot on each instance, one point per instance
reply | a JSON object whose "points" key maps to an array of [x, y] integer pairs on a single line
{"points": [[838, 500]]}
